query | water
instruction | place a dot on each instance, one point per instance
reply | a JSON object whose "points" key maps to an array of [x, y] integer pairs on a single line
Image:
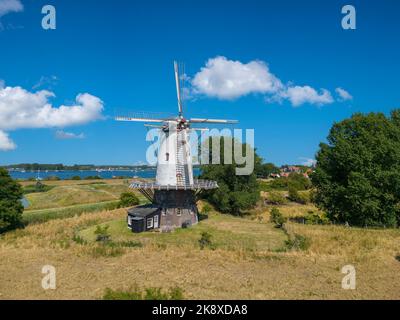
{"points": [[68, 174]]}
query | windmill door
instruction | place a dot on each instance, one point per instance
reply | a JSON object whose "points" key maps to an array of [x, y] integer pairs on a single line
{"points": [[156, 221]]}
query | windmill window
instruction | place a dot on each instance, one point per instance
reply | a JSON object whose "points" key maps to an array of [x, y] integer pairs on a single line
{"points": [[167, 156], [149, 223], [178, 211]]}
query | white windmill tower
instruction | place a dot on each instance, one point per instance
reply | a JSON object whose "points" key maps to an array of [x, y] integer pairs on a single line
{"points": [[173, 194]]}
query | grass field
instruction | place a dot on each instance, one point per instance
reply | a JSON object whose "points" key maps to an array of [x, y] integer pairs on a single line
{"points": [[228, 233], [249, 258], [69, 195]]}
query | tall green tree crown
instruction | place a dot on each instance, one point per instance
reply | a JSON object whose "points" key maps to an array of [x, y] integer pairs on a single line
{"points": [[236, 193], [10, 202], [357, 176]]}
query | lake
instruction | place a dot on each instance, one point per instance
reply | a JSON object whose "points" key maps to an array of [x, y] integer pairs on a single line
{"points": [[105, 174]]}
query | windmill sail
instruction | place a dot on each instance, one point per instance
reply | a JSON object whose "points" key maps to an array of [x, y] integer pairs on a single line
{"points": [[199, 120], [178, 87], [119, 118]]}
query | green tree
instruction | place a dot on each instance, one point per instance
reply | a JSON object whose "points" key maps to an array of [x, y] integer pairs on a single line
{"points": [[128, 199], [293, 194], [10, 205], [236, 193], [358, 171], [298, 181], [263, 170]]}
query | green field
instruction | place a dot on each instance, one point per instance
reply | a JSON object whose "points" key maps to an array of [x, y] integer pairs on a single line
{"points": [[69, 195], [68, 198], [227, 233]]}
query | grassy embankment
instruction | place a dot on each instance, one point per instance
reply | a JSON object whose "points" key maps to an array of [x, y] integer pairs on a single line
{"points": [[69, 198]]}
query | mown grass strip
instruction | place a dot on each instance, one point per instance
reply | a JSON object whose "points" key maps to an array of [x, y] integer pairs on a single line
{"points": [[40, 216]]}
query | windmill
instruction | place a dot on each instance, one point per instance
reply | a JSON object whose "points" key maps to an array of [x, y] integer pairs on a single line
{"points": [[173, 193]]}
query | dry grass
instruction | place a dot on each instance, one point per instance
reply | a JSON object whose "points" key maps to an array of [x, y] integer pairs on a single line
{"points": [[227, 232], [175, 260], [248, 261], [290, 210]]}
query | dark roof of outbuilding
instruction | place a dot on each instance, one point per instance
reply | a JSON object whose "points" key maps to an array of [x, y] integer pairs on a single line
{"points": [[143, 211]]}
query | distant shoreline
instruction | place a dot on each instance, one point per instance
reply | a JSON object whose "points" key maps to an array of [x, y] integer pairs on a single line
{"points": [[52, 175]]}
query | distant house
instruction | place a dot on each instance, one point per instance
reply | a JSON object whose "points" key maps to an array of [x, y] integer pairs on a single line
{"points": [[274, 175], [289, 169]]}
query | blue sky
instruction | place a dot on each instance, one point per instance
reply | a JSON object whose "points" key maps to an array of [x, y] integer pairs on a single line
{"points": [[122, 52]]}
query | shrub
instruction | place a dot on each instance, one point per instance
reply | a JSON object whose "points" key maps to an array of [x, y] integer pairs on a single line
{"points": [[152, 293], [294, 179], [76, 178], [102, 234], [315, 218], [38, 187], [93, 178], [296, 196], [205, 240], [78, 239], [10, 202], [277, 218], [279, 184], [304, 197], [122, 295], [299, 181], [276, 198], [175, 293], [206, 209], [298, 242], [128, 199]]}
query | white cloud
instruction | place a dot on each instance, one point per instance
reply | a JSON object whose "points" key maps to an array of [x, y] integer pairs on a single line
{"points": [[8, 6], [343, 94], [6, 143], [308, 161], [298, 95], [63, 135], [228, 79], [21, 109]]}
